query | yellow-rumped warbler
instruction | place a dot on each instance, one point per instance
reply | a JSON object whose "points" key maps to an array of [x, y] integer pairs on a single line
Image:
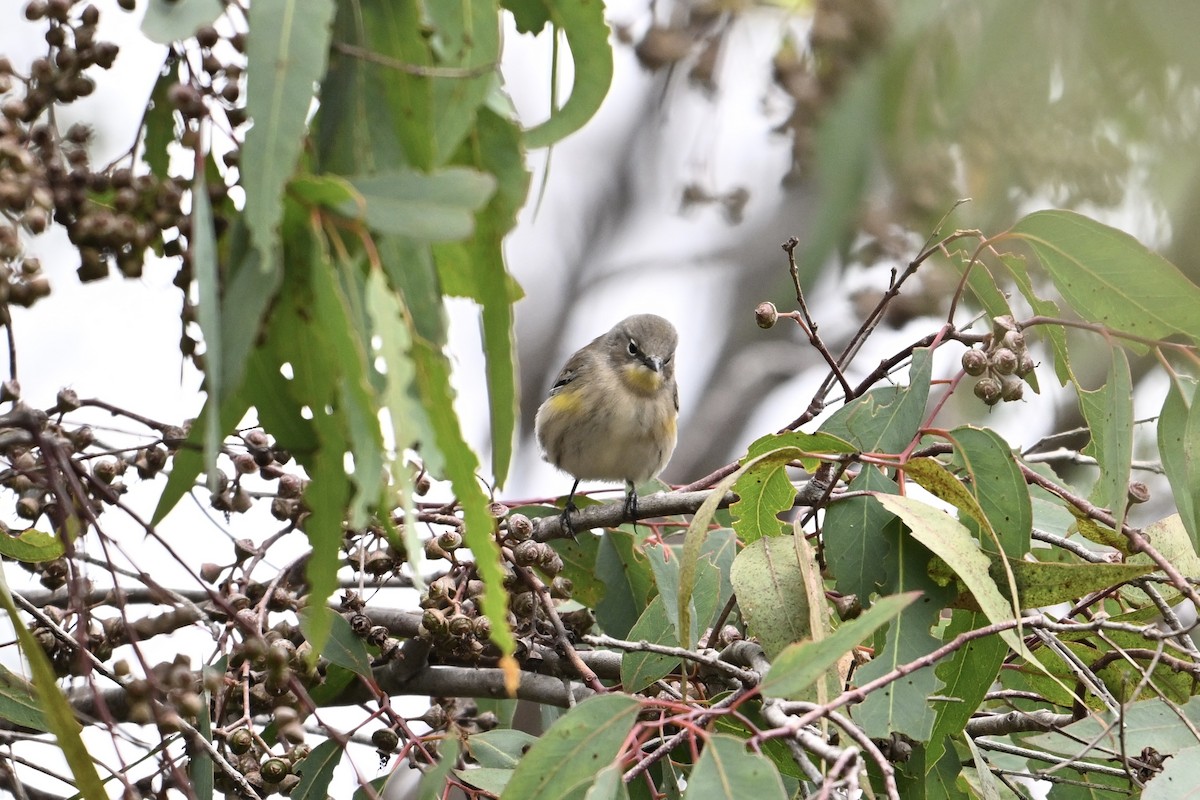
{"points": [[611, 413]]}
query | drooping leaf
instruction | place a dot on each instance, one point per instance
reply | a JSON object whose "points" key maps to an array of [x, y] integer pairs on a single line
{"points": [[801, 664], [1146, 723], [344, 648], [1042, 583], [341, 318], [326, 496], [286, 49], [1109, 277], [465, 37], [566, 759], [491, 779], [1179, 775], [770, 590], [158, 122], [981, 282], [31, 546], [408, 423], [408, 265], [250, 285], [1179, 449], [316, 771], [608, 785], [499, 748], [433, 381], [844, 147], [432, 207], [1109, 414], [475, 268], [57, 714], [203, 243], [587, 34], [531, 16], [726, 771], [904, 706], [967, 675], [1171, 540], [200, 767], [1057, 336], [858, 533], [433, 782], [640, 669], [628, 580], [579, 564], [952, 542], [938, 481], [19, 701], [997, 484]]}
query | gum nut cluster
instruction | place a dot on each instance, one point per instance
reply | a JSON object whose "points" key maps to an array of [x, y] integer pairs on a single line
{"points": [[1001, 364]]}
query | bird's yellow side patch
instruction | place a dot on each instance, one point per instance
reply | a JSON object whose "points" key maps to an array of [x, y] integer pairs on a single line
{"points": [[564, 403], [641, 380]]}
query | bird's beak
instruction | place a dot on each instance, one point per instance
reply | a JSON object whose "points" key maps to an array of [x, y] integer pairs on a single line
{"points": [[655, 363]]}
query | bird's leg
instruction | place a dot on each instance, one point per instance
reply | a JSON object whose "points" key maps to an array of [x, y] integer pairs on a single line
{"points": [[565, 517], [631, 502]]}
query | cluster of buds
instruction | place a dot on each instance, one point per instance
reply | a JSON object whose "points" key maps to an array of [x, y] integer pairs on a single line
{"points": [[451, 620], [111, 215], [1001, 365], [266, 772]]}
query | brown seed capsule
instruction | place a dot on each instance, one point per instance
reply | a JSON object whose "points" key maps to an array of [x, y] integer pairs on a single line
{"points": [[527, 553], [988, 390], [520, 528], [240, 741], [1003, 324], [1138, 492], [766, 315], [385, 739], [974, 362], [1013, 340], [1004, 361], [273, 770], [1011, 388], [1026, 366]]}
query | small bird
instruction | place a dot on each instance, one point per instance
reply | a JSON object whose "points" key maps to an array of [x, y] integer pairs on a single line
{"points": [[611, 413]]}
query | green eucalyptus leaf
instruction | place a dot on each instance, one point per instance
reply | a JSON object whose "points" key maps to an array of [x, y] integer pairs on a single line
{"points": [[1109, 277]]}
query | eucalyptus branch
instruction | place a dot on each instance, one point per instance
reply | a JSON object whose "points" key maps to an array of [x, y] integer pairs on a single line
{"points": [[706, 657], [660, 504]]}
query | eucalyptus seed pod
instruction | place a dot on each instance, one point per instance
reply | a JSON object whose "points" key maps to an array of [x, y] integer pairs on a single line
{"points": [[1011, 388], [974, 362], [520, 528], [1026, 366], [988, 390], [1004, 361], [385, 739], [766, 315]]}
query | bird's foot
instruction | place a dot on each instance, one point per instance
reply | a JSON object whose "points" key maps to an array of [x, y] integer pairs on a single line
{"points": [[564, 518], [630, 508]]}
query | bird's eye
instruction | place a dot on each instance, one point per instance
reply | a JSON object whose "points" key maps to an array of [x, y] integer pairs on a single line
{"points": [[633, 348]]}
